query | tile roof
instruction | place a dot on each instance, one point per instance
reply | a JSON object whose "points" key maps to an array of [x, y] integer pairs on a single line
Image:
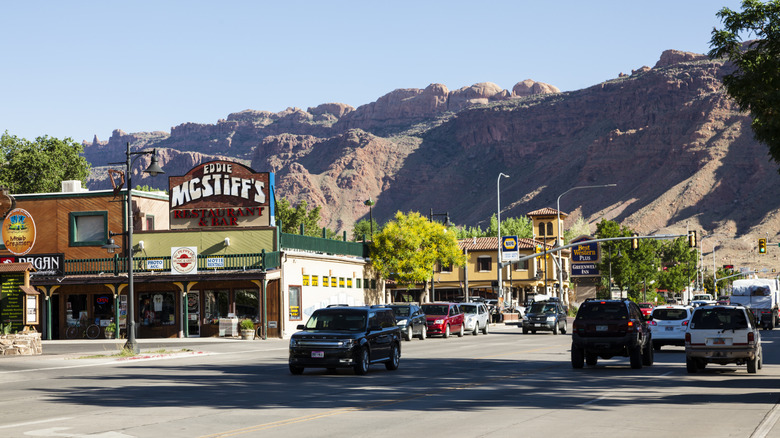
{"points": [[491, 244], [546, 211], [15, 267]]}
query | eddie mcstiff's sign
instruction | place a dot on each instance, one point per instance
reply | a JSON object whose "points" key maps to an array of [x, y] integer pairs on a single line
{"points": [[221, 194]]}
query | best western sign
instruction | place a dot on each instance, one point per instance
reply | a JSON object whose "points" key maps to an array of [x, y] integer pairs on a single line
{"points": [[221, 194]]}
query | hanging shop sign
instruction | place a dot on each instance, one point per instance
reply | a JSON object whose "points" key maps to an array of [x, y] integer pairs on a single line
{"points": [[221, 194], [18, 232], [184, 260]]}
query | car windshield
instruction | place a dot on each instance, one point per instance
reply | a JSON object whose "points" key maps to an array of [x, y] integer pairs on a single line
{"points": [[670, 314], [542, 308], [701, 298], [337, 319], [468, 308], [719, 319], [400, 310], [602, 310], [645, 305], [435, 309]]}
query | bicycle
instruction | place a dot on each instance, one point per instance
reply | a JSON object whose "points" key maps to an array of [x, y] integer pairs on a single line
{"points": [[92, 331]]}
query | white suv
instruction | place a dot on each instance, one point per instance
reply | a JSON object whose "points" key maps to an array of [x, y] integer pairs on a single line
{"points": [[475, 318], [668, 325], [723, 335]]}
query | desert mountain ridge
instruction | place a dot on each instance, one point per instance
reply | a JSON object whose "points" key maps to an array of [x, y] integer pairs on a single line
{"points": [[679, 149]]}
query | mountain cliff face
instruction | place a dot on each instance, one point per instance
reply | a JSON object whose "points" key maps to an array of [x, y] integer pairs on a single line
{"points": [[680, 151]]}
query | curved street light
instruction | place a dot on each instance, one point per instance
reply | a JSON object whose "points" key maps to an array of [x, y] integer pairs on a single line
{"points": [[498, 220]]}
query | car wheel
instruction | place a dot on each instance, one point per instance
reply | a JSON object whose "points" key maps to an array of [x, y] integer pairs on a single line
{"points": [[752, 365], [395, 355], [447, 331], [591, 359], [533, 332], [563, 329], [636, 357], [647, 355], [577, 357], [361, 366], [691, 365], [525, 331], [486, 329], [424, 333], [296, 370], [408, 334], [760, 359], [476, 329], [657, 346], [555, 328], [460, 333]]}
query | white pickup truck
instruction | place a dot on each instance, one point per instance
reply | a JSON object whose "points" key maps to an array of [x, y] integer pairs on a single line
{"points": [[703, 300]]}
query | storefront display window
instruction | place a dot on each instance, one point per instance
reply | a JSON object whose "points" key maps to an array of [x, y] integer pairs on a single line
{"points": [[247, 303], [157, 309], [104, 308], [76, 309], [217, 304]]}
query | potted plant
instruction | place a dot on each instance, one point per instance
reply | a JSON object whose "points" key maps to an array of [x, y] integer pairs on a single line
{"points": [[247, 329], [110, 330]]}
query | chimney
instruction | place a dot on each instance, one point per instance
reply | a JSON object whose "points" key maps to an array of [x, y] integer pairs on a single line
{"points": [[72, 186]]}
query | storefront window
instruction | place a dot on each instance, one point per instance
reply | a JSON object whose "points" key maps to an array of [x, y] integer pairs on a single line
{"points": [[247, 303], [104, 307], [217, 304], [157, 309], [76, 309], [295, 303]]}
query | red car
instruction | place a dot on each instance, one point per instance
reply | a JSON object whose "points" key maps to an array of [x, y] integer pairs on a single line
{"points": [[443, 319], [647, 309]]}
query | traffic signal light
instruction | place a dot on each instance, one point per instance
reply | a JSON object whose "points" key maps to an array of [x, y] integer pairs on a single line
{"points": [[635, 242], [762, 246], [692, 239]]}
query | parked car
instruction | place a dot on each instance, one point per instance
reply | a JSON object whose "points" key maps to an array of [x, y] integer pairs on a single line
{"points": [[444, 319], [476, 318], [723, 335], [545, 316], [411, 319], [668, 325], [339, 337], [607, 328], [647, 309]]}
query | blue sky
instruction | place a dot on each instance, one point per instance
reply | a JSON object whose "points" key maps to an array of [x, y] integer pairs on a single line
{"points": [[83, 68]]}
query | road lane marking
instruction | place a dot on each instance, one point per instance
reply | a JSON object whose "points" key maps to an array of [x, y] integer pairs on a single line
{"points": [[767, 423], [594, 400], [27, 423]]}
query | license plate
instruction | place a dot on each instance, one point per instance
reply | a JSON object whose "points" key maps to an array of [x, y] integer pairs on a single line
{"points": [[718, 341], [318, 354], [668, 329], [538, 325], [601, 328]]}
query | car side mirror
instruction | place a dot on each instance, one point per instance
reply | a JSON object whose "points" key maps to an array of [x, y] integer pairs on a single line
{"points": [[301, 327]]}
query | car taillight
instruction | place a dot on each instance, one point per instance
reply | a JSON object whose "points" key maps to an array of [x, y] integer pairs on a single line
{"points": [[651, 323], [630, 326], [685, 323], [576, 325], [751, 338]]}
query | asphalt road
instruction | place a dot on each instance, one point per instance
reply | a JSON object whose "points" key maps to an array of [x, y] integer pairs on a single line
{"points": [[502, 384]]}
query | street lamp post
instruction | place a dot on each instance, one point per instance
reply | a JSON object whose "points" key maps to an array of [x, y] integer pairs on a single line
{"points": [[370, 204], [559, 237], [498, 220], [433, 271], [154, 169]]}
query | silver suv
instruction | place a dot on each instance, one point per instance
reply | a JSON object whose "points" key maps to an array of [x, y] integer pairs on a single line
{"points": [[722, 335]]}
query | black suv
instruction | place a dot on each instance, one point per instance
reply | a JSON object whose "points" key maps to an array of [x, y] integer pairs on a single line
{"points": [[545, 315], [607, 328], [346, 337]]}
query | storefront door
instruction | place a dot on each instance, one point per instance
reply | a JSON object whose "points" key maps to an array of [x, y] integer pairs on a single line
{"points": [[193, 311]]}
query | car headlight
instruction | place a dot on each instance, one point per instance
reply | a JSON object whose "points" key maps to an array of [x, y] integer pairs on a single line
{"points": [[293, 342], [550, 319], [439, 321], [347, 343], [401, 322]]}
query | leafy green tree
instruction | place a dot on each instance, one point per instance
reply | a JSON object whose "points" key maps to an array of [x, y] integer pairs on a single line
{"points": [[364, 228], [755, 82], [520, 227], [408, 247], [40, 166], [579, 228], [292, 218], [679, 265]]}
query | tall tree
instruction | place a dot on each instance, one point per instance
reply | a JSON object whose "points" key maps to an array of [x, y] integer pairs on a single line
{"points": [[364, 228], [40, 166], [755, 82], [293, 217], [408, 247]]}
